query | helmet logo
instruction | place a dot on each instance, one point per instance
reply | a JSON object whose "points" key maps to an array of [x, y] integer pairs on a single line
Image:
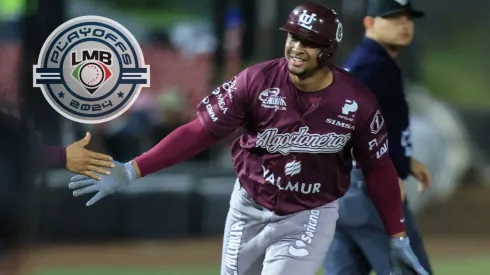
{"points": [[401, 2], [340, 33], [305, 20]]}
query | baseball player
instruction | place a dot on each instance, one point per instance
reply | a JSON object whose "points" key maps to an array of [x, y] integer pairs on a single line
{"points": [[360, 243], [302, 119]]}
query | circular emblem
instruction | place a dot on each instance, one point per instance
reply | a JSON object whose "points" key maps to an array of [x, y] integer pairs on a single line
{"points": [[340, 32], [91, 69]]}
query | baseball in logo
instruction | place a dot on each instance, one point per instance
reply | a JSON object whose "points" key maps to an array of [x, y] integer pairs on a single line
{"points": [[91, 69]]}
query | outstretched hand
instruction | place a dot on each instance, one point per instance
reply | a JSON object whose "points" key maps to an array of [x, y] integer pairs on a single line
{"points": [[84, 162], [421, 172], [402, 258], [121, 176]]}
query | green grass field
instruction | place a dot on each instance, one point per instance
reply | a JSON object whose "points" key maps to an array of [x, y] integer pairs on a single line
{"points": [[479, 266]]}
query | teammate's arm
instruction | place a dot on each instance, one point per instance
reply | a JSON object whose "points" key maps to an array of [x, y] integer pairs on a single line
{"points": [[76, 159], [54, 156], [371, 153]]}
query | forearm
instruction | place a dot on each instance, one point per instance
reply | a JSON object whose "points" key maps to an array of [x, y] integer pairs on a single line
{"points": [[399, 154], [384, 190], [183, 143], [401, 164], [54, 156]]}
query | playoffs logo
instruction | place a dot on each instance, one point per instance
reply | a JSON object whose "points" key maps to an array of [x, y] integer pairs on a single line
{"points": [[91, 69]]}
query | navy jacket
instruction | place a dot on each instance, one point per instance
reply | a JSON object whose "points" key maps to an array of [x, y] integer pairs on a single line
{"points": [[371, 64]]}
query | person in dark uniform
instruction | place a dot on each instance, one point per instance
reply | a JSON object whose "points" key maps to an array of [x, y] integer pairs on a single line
{"points": [[360, 244], [23, 156]]}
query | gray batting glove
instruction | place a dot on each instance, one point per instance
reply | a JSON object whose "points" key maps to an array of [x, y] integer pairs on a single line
{"points": [[121, 176], [402, 257]]}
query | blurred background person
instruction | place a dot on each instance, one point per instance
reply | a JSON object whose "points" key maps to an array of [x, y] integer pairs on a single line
{"points": [[360, 244], [22, 159], [24, 152]]}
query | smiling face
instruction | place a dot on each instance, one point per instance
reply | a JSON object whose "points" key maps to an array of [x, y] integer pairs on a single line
{"points": [[302, 56]]}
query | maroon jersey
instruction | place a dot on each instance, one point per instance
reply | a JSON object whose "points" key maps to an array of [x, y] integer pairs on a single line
{"points": [[295, 155]]}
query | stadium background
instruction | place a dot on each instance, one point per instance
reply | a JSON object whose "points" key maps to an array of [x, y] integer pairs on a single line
{"points": [[171, 223]]}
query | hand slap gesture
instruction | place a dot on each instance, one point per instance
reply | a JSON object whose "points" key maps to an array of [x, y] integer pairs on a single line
{"points": [[84, 162]]}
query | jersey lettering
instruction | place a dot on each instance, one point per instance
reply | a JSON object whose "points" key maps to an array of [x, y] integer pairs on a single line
{"points": [[301, 142]]}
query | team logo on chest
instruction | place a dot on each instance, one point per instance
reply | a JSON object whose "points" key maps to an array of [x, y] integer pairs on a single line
{"points": [[301, 142], [272, 100]]}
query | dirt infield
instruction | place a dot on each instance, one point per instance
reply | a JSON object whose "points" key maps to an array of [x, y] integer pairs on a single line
{"points": [[197, 253], [449, 230], [147, 254]]}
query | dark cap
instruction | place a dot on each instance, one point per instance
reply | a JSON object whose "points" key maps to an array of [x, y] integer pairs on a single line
{"points": [[385, 8]]}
